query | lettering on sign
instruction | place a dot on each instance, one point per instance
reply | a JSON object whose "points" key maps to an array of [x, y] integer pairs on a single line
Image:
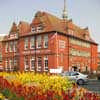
{"points": [[58, 70]]}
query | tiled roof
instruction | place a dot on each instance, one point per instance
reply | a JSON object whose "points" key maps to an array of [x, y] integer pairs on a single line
{"points": [[23, 27], [51, 23], [13, 28]]}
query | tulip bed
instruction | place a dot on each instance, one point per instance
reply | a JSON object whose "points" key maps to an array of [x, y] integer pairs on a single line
{"points": [[34, 86]]}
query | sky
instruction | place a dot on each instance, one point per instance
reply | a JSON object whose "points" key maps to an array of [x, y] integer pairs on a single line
{"points": [[83, 13]]}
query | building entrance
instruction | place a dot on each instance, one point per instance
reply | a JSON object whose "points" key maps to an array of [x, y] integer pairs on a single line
{"points": [[74, 68]]}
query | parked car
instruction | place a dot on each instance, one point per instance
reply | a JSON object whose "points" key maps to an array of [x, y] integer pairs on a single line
{"points": [[78, 77]]}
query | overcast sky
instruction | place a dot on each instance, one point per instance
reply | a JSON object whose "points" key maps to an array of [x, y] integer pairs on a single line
{"points": [[83, 12]]}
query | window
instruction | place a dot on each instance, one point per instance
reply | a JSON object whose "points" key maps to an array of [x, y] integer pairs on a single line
{"points": [[6, 65], [15, 46], [15, 62], [39, 28], [32, 43], [26, 44], [26, 63], [32, 64], [7, 47], [39, 42], [71, 32], [0, 57], [46, 63], [61, 44], [33, 29], [46, 41], [74, 74], [11, 64], [11, 46], [39, 65]]}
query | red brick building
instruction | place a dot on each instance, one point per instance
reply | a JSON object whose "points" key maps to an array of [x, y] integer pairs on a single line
{"points": [[98, 61], [49, 43], [1, 67]]}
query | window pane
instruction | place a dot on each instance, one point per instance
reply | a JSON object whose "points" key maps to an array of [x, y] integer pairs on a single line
{"points": [[46, 41], [32, 43], [0, 57], [26, 64], [33, 29], [26, 44], [11, 46], [46, 63], [7, 47], [39, 66], [39, 28], [32, 63], [6, 65], [39, 42], [11, 64], [15, 46]]}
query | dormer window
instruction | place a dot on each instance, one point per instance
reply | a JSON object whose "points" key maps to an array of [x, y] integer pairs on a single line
{"points": [[39, 28], [33, 29], [71, 32]]}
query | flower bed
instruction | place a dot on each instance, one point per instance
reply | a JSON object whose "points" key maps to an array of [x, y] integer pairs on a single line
{"points": [[31, 86]]}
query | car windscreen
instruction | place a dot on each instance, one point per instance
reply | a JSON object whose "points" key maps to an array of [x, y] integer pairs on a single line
{"points": [[74, 73]]}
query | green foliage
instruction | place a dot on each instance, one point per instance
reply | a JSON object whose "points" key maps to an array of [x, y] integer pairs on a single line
{"points": [[12, 96], [21, 98], [6, 93]]}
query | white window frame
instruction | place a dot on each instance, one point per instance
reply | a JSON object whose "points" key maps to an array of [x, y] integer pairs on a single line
{"points": [[0, 56], [45, 44], [26, 44], [45, 67], [39, 41], [6, 65], [39, 28], [26, 66], [31, 67], [11, 47], [32, 43], [15, 62], [39, 68], [33, 29], [7, 47], [15, 46], [11, 64]]}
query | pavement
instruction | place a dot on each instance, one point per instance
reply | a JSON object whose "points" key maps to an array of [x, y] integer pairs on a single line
{"points": [[92, 85]]}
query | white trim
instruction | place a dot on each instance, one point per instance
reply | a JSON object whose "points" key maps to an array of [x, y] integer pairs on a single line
{"points": [[33, 30], [45, 41], [26, 43], [10, 64], [39, 40], [32, 39], [7, 47], [32, 58], [25, 66], [11, 47], [38, 67], [45, 58]]}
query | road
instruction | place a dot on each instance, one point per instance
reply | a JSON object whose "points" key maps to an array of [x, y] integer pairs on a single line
{"points": [[93, 85]]}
